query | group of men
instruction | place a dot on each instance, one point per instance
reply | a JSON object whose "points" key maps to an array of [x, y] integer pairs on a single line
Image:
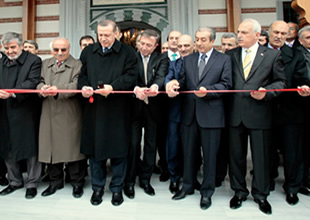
{"points": [[107, 121]]}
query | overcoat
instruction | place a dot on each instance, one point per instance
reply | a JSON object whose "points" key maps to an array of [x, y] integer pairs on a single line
{"points": [[19, 117], [61, 117], [106, 121]]}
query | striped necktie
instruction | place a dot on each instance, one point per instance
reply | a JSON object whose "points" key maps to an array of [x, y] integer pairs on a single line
{"points": [[247, 64]]}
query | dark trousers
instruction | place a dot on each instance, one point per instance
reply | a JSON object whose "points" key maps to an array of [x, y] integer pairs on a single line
{"points": [[222, 157], [149, 149], [292, 136], [15, 176], [260, 142], [98, 173], [173, 151], [194, 136], [76, 170], [306, 152]]}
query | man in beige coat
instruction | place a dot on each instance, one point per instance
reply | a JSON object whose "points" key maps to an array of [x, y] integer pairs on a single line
{"points": [[60, 125]]}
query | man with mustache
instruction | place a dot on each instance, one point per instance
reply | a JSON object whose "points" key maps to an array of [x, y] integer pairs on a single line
{"points": [[289, 118], [19, 116], [255, 67]]}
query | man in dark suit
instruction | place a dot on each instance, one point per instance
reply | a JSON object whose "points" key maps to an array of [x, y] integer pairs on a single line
{"points": [[173, 141], [304, 39], [289, 116], [3, 180], [255, 67], [19, 115], [152, 68], [107, 65], [202, 113]]}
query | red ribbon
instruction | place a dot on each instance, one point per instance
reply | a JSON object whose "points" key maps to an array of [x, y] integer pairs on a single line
{"points": [[160, 92]]}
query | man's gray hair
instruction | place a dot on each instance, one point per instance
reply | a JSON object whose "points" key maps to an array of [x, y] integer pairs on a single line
{"points": [[256, 26], [32, 42], [150, 33], [306, 28], [12, 36], [230, 35], [104, 23], [208, 29]]}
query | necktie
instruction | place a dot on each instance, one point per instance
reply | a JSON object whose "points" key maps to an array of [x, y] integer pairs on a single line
{"points": [[105, 50], [174, 57], [59, 64], [145, 62], [247, 64], [202, 64]]}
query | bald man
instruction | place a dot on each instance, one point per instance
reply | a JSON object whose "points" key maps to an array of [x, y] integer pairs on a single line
{"points": [[289, 118], [60, 134], [173, 146]]}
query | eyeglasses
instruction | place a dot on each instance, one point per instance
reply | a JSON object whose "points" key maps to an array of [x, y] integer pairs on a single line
{"points": [[62, 49]]}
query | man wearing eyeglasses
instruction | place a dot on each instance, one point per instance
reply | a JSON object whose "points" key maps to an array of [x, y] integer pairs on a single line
{"points": [[19, 116], [61, 120]]}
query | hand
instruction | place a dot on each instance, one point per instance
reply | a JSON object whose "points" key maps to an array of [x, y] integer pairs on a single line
{"points": [[51, 91], [4, 94], [202, 92], [87, 91], [172, 88], [43, 92], [259, 95], [107, 89], [140, 93], [152, 92], [304, 90]]}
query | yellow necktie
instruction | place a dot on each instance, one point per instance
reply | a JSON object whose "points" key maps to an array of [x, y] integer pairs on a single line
{"points": [[247, 64]]}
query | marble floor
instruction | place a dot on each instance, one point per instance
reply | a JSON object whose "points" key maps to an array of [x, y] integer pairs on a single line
{"points": [[62, 205]]}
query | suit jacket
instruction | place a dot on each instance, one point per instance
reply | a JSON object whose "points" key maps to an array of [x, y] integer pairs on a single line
{"points": [[19, 117], [174, 110], [156, 71], [209, 110], [289, 108], [267, 71]]}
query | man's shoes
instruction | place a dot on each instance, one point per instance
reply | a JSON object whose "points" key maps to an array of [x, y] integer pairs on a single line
{"points": [[129, 191], [96, 197], [77, 191], [205, 202], [303, 190], [148, 189], [236, 202], [10, 189], [51, 190], [117, 198], [264, 206], [164, 176], [292, 198], [181, 195], [197, 185], [3, 181], [31, 193], [174, 187]]}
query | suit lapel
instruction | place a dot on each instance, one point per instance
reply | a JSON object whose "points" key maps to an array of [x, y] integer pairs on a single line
{"points": [[211, 61], [238, 59], [141, 67], [195, 67]]}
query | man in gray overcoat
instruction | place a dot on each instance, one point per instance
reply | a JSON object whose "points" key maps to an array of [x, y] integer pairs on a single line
{"points": [[61, 120]]}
